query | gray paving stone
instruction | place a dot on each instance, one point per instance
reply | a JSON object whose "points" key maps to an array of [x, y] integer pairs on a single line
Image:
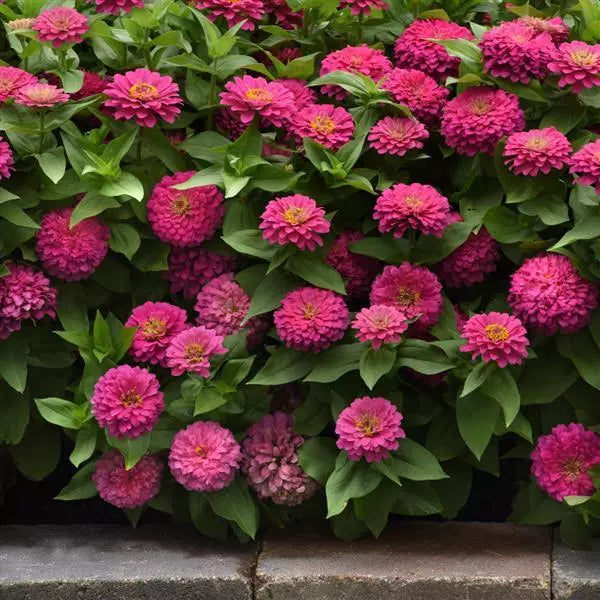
{"points": [[412, 561], [575, 573], [120, 563]]}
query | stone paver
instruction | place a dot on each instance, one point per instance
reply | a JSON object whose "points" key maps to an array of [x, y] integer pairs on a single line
{"points": [[575, 574], [119, 563], [411, 561]]}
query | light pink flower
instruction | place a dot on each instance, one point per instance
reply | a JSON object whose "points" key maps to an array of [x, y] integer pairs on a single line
{"points": [[61, 25], [13, 79], [585, 165], [234, 11], [380, 324], [397, 135], [40, 95], [331, 126], [24, 23], [191, 350], [577, 64]]}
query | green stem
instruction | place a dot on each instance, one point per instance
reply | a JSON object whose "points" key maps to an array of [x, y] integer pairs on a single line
{"points": [[42, 131], [146, 51], [61, 58], [212, 95], [359, 25]]}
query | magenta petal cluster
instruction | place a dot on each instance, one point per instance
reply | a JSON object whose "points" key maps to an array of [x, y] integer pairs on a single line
{"points": [[369, 428], [191, 350], [40, 95], [496, 337], [270, 461], [127, 488], [92, 84], [471, 261], [204, 457], [285, 16], [478, 118], [117, 7], [25, 293], [6, 160], [363, 7], [561, 461], [13, 79], [585, 165], [555, 27], [184, 217], [311, 319], [234, 11], [303, 95], [145, 96], [71, 253], [536, 151], [329, 125], [415, 206], [294, 220], [61, 25], [127, 401], [550, 296], [577, 64], [157, 324], [380, 324], [397, 135]]}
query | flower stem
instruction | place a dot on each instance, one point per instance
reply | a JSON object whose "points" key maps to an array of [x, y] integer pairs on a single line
{"points": [[42, 131], [212, 95]]}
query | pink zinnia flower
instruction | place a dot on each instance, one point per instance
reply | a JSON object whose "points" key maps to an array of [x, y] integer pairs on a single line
{"points": [[287, 54], [247, 96], [477, 118], [92, 84], [191, 268], [516, 51], [25, 293], [311, 319], [158, 323], [229, 124], [128, 401], [40, 95], [191, 350], [6, 160], [419, 92], [561, 461], [578, 64], [585, 165], [354, 59], [363, 7], [294, 220], [369, 428], [397, 135], [303, 95], [71, 253], [415, 291], [117, 7], [184, 217], [204, 457], [284, 15], [471, 261], [145, 96], [496, 337], [12, 80], [234, 11], [536, 151], [556, 28], [331, 126], [415, 50], [415, 206], [61, 25], [270, 462], [24, 23], [127, 489], [549, 295], [380, 324]]}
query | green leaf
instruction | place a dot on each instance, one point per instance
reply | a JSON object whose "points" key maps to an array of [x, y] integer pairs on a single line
{"points": [[81, 485], [476, 415], [152, 256], [545, 379], [317, 458], [37, 454], [236, 370], [500, 385], [208, 399], [563, 118], [283, 366], [91, 205], [575, 532], [248, 144], [204, 519], [585, 229], [124, 239], [374, 364], [374, 508], [14, 214], [60, 412], [53, 163], [335, 362], [126, 184], [85, 444], [132, 449], [581, 350], [467, 51], [72, 80], [422, 357], [477, 377], [417, 498], [312, 416], [13, 362], [249, 241], [234, 503], [14, 414], [269, 293], [312, 269], [505, 226], [416, 462]]}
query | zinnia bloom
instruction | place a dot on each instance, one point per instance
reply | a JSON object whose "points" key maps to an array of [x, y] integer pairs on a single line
{"points": [[229, 124], [25, 23], [6, 160], [414, 206], [116, 7], [414, 291], [234, 11], [555, 27], [285, 16], [354, 59], [71, 253], [331, 126], [294, 220], [380, 324], [585, 165], [363, 7], [145, 96], [191, 268], [471, 261], [158, 323], [536, 151], [40, 95], [204, 457], [247, 96], [496, 337], [12, 80], [357, 270], [577, 64], [303, 95], [311, 319], [61, 25], [561, 461], [415, 50], [397, 135], [477, 118], [184, 217], [516, 51], [127, 489], [549, 295], [270, 462], [191, 350], [424, 97], [128, 401], [369, 428], [25, 293]]}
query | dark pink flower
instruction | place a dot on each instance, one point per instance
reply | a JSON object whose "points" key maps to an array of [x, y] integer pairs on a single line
{"points": [[191, 350], [40, 95], [331, 126], [6, 160], [284, 15], [585, 165], [116, 7], [12, 80], [397, 135], [229, 123], [303, 95], [577, 64], [363, 7], [61, 25], [555, 27], [380, 324], [92, 84], [234, 11], [536, 151]]}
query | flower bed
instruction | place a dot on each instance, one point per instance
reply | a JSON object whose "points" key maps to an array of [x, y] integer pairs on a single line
{"points": [[272, 261]]}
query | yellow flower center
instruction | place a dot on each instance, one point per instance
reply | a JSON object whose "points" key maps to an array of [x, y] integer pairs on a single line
{"points": [[154, 329], [367, 424], [380, 322], [407, 297], [310, 311], [480, 106], [496, 332], [413, 202], [41, 93], [181, 205], [323, 125], [143, 91], [131, 398], [572, 469], [295, 215], [194, 353], [583, 57], [259, 95], [537, 142], [200, 451]]}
